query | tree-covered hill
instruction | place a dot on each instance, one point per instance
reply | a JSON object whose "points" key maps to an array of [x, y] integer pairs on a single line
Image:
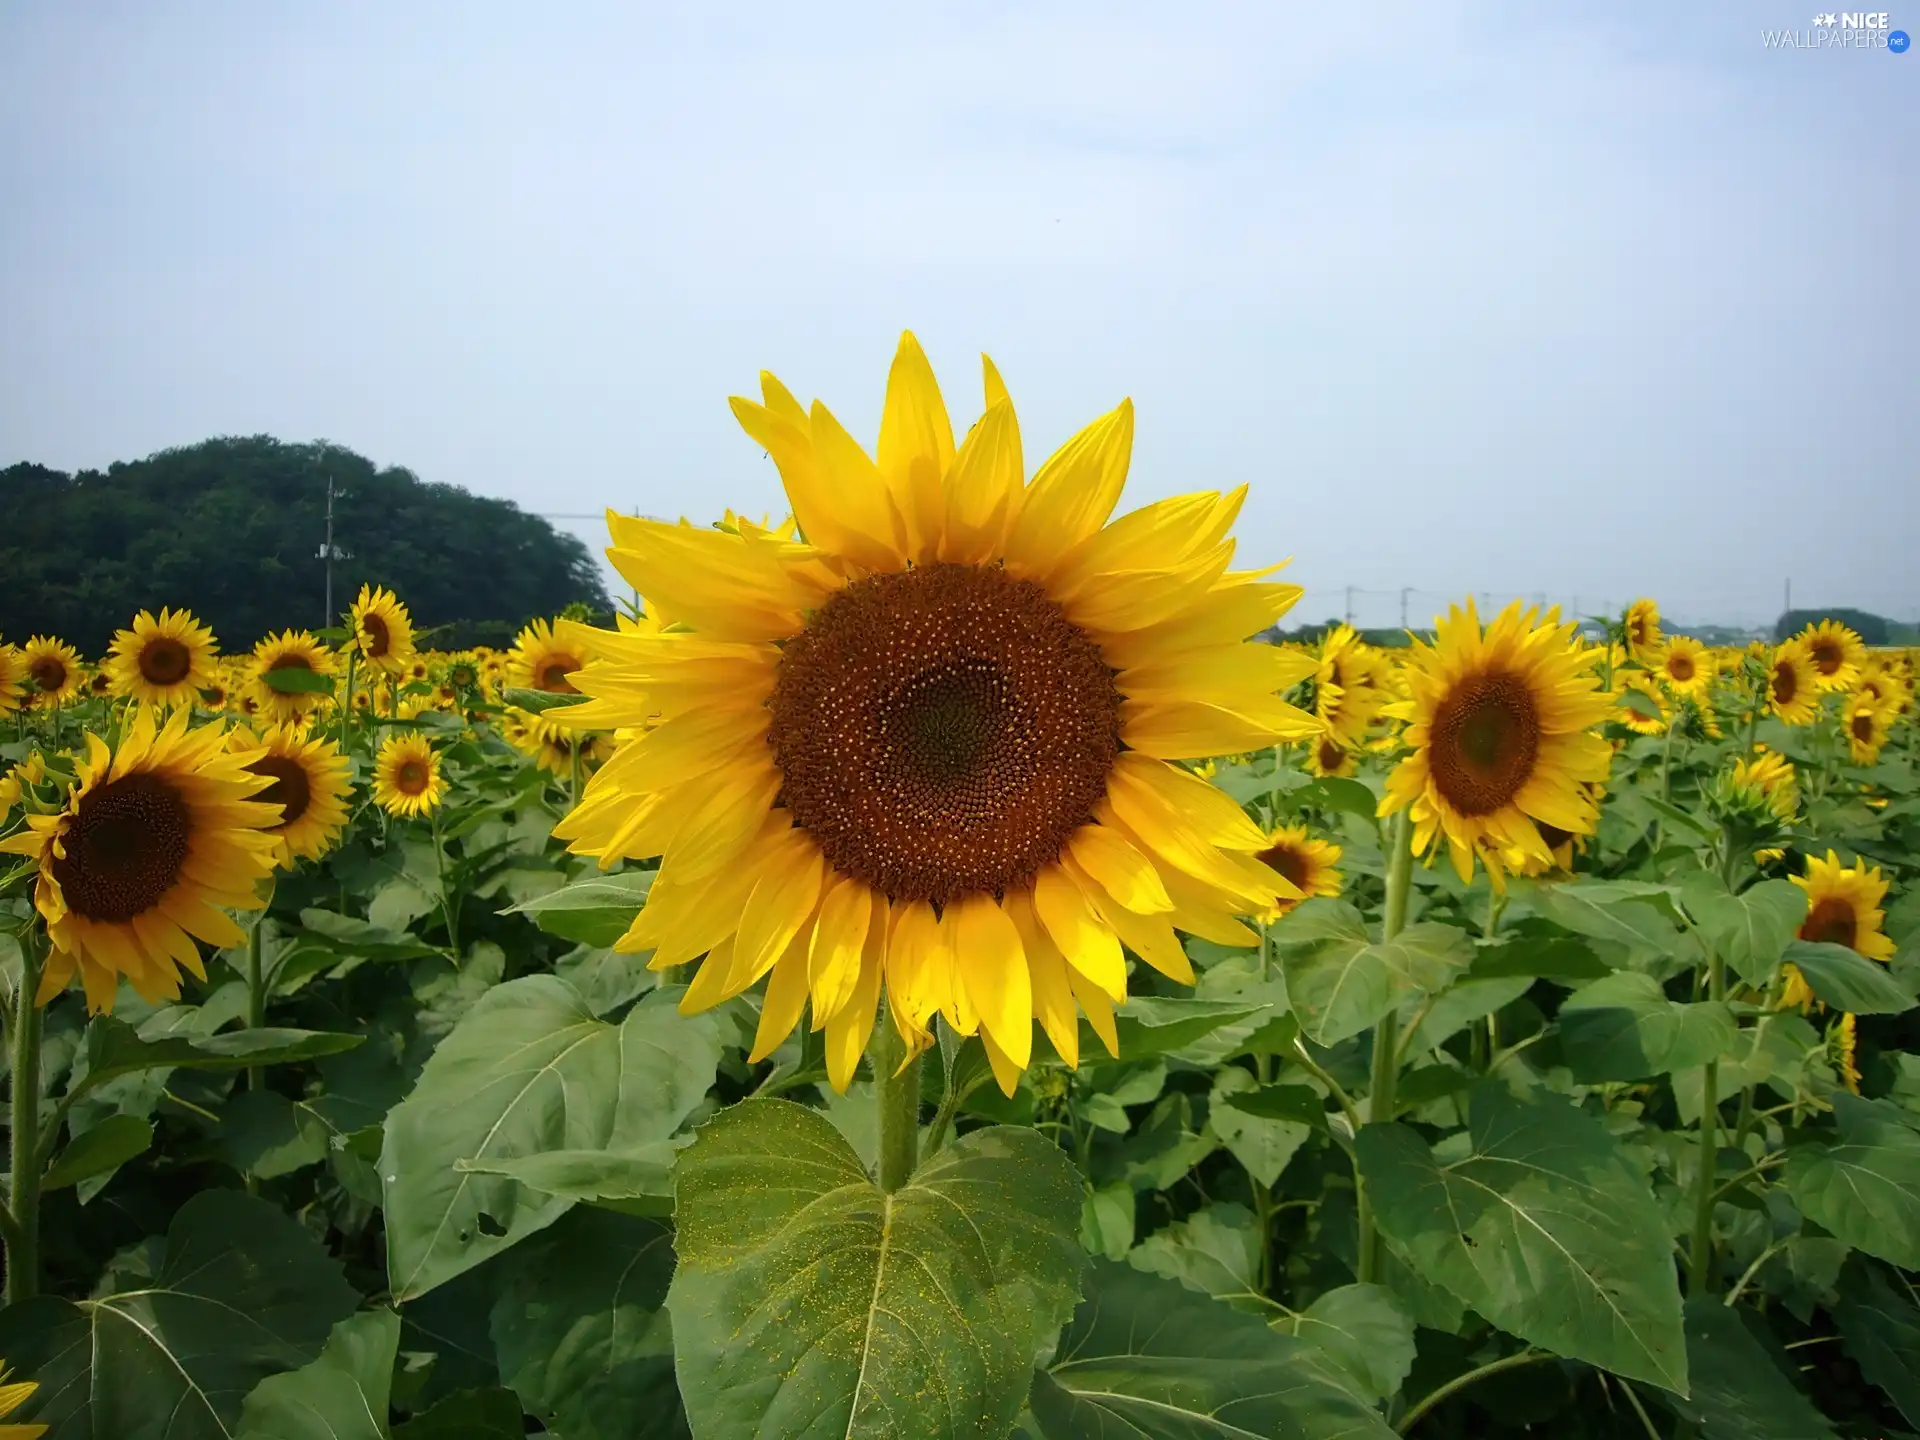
{"points": [[232, 529]]}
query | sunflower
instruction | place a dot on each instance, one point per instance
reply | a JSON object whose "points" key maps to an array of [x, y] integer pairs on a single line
{"points": [[1837, 654], [13, 678], [1844, 1044], [1843, 906], [1327, 756], [1687, 665], [1771, 776], [1501, 725], [53, 671], [542, 661], [932, 744], [155, 840], [1344, 695], [1307, 863], [1644, 708], [463, 672], [382, 632], [406, 776], [165, 661], [1877, 680], [551, 747], [1866, 722], [12, 1396], [1644, 640], [1792, 692], [309, 783], [289, 650]]}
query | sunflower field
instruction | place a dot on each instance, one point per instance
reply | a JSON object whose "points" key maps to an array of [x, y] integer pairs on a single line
{"points": [[932, 970]]}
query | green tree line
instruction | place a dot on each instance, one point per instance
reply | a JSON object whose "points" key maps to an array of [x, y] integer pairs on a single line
{"points": [[232, 529]]}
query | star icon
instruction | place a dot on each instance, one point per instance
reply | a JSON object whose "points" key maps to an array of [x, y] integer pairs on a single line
{"points": [[1824, 19]]}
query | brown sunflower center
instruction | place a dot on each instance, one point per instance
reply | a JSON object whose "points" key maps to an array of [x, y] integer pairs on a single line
{"points": [[1680, 667], [100, 684], [1331, 755], [1828, 656], [411, 778], [1486, 737], [1552, 836], [1786, 684], [49, 672], [164, 661], [1832, 920], [552, 676], [1863, 727], [291, 790], [463, 676], [374, 635], [943, 731], [126, 844], [1289, 863]]}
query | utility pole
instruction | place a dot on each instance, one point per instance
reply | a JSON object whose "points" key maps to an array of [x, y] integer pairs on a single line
{"points": [[1405, 591], [330, 552], [1349, 604], [1788, 607]]}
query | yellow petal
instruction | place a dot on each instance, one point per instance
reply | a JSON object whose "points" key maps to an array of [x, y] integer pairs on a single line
{"points": [[1053, 1001], [1072, 495], [916, 446], [782, 900], [1099, 1010], [982, 488], [852, 1023], [839, 940], [1089, 945], [1006, 1071], [786, 997], [1122, 871], [992, 967]]}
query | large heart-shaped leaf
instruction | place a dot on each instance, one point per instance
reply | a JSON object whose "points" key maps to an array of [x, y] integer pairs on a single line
{"points": [[1847, 980], [242, 1292], [1148, 1359], [1541, 1225], [115, 1048], [1749, 930], [1340, 982], [1623, 1027], [1367, 1331], [528, 1070], [1866, 1189], [1626, 912], [1739, 1390], [1881, 1329], [343, 1395], [594, 911], [807, 1302]]}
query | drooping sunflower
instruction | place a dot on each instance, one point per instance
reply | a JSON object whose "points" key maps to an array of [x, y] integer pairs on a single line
{"points": [[550, 746], [1792, 692], [163, 661], [53, 671], [1344, 695], [1843, 1046], [1771, 775], [1837, 654], [382, 631], [1843, 906], [1687, 665], [14, 1394], [1644, 707], [309, 784], [406, 776], [156, 839], [1866, 722], [291, 650], [540, 660], [931, 745], [1644, 640], [1305, 861], [13, 678], [1501, 723]]}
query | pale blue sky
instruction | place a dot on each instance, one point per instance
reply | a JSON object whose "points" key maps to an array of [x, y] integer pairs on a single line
{"points": [[1582, 299]]}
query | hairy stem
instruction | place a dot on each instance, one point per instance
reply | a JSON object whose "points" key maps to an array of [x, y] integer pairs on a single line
{"points": [[1700, 1266], [1386, 1035], [23, 1236], [1453, 1387], [896, 1091]]}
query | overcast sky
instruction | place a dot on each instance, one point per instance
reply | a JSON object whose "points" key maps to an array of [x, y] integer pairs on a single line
{"points": [[1589, 300]]}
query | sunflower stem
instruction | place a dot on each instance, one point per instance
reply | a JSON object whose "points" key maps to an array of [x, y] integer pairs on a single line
{"points": [[448, 902], [23, 1237], [1700, 1266], [257, 988], [346, 707], [1386, 1035], [896, 1091]]}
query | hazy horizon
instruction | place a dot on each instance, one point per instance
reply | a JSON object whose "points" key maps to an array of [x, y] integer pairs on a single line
{"points": [[1477, 298]]}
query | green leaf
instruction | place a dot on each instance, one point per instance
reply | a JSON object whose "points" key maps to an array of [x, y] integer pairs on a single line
{"points": [[527, 1071], [1881, 1331], [808, 1302], [99, 1151], [294, 680], [1847, 980], [1301, 1104], [1622, 911], [1215, 1250], [1866, 1189], [1367, 1331], [348, 936], [1623, 1027], [538, 702], [343, 1395], [492, 1414], [605, 977], [241, 1292], [1537, 956], [1340, 795], [262, 1133], [646, 1172], [595, 911], [1541, 1225], [1340, 983], [1675, 815], [114, 1048], [1148, 1359], [1751, 929], [581, 1330], [1456, 1008], [1739, 1390], [1150, 1025], [1263, 1144]]}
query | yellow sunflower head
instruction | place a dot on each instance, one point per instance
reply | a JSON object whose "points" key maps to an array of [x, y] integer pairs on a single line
{"points": [[1843, 1044], [1836, 652], [382, 631], [406, 776], [1770, 777], [1305, 862], [1644, 707], [282, 679], [540, 660], [1793, 695], [157, 838], [1866, 722], [1687, 665], [930, 747], [1326, 755], [1879, 681], [53, 672], [13, 678], [1644, 640], [1843, 906], [1501, 725], [1345, 694], [14, 1394], [163, 661], [307, 779]]}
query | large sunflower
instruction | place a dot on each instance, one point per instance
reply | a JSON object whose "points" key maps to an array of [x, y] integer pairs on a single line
{"points": [[309, 785], [540, 660], [157, 838], [291, 650], [1687, 665], [1837, 654], [406, 776], [930, 745], [382, 631], [1792, 689], [1843, 906], [1644, 640], [165, 661], [1501, 728], [1305, 861], [53, 670], [13, 678], [1344, 694]]}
